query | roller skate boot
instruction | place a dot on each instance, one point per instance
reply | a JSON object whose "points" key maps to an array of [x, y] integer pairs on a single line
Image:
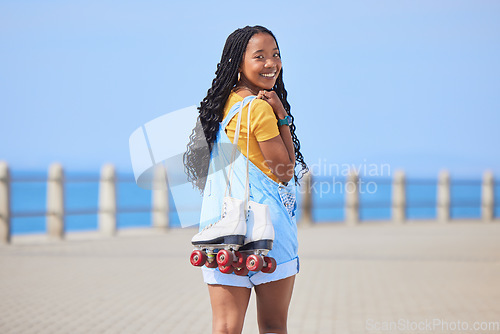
{"points": [[217, 244], [258, 240]]}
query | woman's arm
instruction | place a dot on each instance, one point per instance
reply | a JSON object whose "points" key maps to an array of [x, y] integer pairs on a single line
{"points": [[286, 136], [279, 151]]}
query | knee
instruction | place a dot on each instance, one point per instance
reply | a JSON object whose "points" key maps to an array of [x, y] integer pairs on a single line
{"points": [[273, 326], [226, 327]]}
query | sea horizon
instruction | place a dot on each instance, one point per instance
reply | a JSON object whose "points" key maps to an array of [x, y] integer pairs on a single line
{"points": [[29, 188]]}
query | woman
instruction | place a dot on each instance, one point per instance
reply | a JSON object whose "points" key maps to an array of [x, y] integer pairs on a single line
{"points": [[251, 67]]}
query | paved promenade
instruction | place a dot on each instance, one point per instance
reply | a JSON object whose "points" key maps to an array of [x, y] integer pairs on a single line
{"points": [[352, 280]]}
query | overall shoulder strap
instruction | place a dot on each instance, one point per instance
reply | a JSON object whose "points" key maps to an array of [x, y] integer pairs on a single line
{"points": [[247, 100], [235, 109]]}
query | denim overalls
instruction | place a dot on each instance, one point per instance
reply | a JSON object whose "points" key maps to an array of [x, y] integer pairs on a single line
{"points": [[279, 198]]}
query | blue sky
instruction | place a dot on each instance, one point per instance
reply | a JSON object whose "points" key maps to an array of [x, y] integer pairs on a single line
{"points": [[410, 84]]}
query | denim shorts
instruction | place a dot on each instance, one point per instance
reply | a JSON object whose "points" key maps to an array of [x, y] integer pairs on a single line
{"points": [[283, 270]]}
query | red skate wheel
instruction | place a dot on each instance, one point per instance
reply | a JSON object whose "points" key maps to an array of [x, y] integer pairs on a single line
{"points": [[270, 266], [224, 257], [241, 260], [226, 269], [198, 258], [255, 262], [241, 271], [212, 264]]}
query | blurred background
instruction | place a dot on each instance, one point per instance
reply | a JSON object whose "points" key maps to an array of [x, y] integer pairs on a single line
{"points": [[377, 86]]}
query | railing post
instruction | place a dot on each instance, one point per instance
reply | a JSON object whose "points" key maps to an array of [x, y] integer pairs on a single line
{"points": [[352, 199], [107, 200], [443, 197], [488, 197], [306, 199], [160, 204], [5, 223], [55, 202], [399, 197]]}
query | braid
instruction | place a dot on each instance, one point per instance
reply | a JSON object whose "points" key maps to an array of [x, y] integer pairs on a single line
{"points": [[196, 160]]}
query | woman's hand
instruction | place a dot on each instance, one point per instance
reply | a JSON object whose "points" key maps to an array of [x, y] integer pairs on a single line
{"points": [[272, 98]]}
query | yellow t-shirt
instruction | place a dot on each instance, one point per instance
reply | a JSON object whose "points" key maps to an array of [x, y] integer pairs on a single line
{"points": [[263, 126]]}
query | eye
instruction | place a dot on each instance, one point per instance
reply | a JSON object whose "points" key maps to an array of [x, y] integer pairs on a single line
{"points": [[277, 54], [259, 57]]}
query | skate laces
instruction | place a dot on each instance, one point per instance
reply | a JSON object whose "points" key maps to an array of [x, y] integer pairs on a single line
{"points": [[224, 213], [224, 210], [208, 226]]}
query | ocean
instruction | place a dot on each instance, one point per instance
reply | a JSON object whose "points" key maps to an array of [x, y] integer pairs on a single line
{"points": [[29, 189]]}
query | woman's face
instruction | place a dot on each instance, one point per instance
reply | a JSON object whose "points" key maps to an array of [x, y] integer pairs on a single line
{"points": [[261, 63]]}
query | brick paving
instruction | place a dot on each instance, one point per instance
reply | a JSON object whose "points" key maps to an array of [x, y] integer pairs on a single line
{"points": [[352, 280]]}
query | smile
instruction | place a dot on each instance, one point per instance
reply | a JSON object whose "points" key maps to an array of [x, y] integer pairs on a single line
{"points": [[268, 75]]}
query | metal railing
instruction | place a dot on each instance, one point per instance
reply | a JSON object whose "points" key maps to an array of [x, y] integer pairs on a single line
{"points": [[107, 209], [399, 203], [55, 212]]}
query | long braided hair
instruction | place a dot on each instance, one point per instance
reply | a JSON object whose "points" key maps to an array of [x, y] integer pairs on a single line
{"points": [[196, 159]]}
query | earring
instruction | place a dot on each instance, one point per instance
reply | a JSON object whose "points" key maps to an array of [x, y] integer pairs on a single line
{"points": [[238, 76]]}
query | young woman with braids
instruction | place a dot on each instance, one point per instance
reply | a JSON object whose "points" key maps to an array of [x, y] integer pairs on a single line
{"points": [[251, 66]]}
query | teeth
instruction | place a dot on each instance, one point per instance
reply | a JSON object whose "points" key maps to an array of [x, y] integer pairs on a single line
{"points": [[268, 75]]}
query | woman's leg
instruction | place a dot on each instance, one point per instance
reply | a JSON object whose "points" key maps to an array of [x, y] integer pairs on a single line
{"points": [[229, 305], [273, 299]]}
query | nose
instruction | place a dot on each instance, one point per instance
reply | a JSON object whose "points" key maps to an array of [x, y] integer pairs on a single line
{"points": [[271, 63]]}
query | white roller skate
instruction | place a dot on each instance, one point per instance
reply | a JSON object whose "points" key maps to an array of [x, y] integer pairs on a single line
{"points": [[223, 237], [259, 240]]}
